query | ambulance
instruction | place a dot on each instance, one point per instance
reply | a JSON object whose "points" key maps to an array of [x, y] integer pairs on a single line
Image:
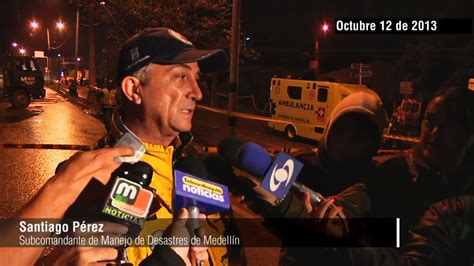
{"points": [[303, 106]]}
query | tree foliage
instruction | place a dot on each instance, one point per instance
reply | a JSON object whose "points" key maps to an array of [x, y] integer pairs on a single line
{"points": [[207, 23], [432, 63]]}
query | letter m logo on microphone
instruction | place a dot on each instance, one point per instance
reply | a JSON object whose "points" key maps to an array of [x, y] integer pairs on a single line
{"points": [[281, 175], [129, 197]]}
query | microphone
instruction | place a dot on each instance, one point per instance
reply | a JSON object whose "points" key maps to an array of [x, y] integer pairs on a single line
{"points": [[131, 198], [228, 148], [192, 190], [279, 174], [191, 165], [197, 194]]}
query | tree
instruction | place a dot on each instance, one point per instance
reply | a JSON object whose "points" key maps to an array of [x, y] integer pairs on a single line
{"points": [[435, 62], [206, 23]]}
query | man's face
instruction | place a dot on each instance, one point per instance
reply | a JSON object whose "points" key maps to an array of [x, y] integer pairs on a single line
{"points": [[169, 98], [444, 138]]}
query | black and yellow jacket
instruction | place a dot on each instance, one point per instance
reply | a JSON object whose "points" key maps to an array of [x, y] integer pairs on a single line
{"points": [[162, 160]]}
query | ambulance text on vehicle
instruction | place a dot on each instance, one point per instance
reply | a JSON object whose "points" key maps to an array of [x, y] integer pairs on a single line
{"points": [[305, 105]]}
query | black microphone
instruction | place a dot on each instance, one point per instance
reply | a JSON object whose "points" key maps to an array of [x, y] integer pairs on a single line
{"points": [[191, 165], [130, 200], [228, 149]]}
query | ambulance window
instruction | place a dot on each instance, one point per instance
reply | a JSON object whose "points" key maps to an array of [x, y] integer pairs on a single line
{"points": [[273, 82], [278, 83], [314, 86], [406, 107], [319, 130], [322, 94], [294, 92]]}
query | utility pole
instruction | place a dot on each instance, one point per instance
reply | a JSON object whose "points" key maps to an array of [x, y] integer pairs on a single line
{"points": [[92, 53], [76, 50], [316, 57], [234, 67], [48, 55]]}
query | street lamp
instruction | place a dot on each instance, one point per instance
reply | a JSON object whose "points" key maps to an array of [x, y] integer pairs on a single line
{"points": [[14, 44], [325, 27], [60, 26], [22, 51], [34, 25], [315, 64]]}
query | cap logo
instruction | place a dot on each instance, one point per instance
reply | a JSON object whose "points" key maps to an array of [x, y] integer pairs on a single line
{"points": [[134, 54], [179, 37]]}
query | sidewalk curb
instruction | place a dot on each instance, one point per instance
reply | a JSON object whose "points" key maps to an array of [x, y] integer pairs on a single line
{"points": [[82, 103]]}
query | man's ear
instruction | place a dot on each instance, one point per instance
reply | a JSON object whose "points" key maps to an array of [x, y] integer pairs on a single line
{"points": [[131, 89]]}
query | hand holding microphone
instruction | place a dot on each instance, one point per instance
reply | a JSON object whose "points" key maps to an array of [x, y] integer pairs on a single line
{"points": [[177, 255], [197, 195], [278, 176], [85, 255], [327, 222], [194, 196], [70, 179]]}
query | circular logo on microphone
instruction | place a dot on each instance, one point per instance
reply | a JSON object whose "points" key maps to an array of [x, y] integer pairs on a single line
{"points": [[281, 175]]}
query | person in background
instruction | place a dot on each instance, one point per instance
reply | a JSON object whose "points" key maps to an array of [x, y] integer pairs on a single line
{"points": [[108, 103], [437, 168], [441, 166], [443, 236], [352, 137]]}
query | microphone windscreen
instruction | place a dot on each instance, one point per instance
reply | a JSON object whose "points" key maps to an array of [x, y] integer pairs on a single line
{"points": [[253, 159]]}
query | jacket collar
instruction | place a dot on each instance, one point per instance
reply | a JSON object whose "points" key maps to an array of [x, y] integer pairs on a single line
{"points": [[118, 128]]}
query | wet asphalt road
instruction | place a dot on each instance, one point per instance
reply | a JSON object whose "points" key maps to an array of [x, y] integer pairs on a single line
{"points": [[55, 120], [52, 120]]}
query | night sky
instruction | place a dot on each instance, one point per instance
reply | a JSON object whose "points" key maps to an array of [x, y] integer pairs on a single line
{"points": [[271, 24], [17, 14], [293, 24]]}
